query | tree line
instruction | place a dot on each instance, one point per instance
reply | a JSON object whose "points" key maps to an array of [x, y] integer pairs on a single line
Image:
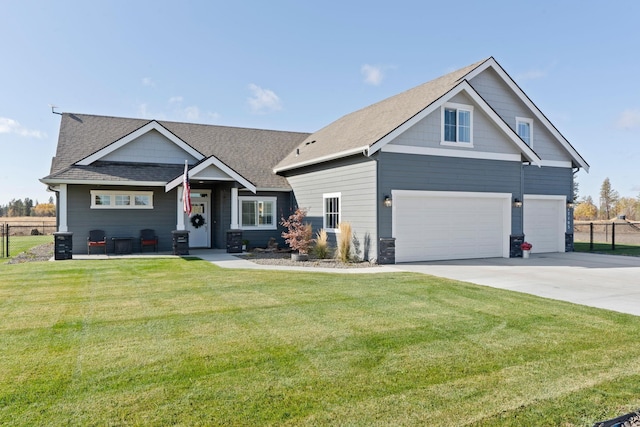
{"points": [[27, 207], [610, 205]]}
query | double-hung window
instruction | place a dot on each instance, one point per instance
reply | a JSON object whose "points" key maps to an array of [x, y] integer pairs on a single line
{"points": [[457, 124], [257, 213], [331, 211], [524, 128]]}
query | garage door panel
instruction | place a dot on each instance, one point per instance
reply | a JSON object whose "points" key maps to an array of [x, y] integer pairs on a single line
{"points": [[428, 227], [544, 223]]}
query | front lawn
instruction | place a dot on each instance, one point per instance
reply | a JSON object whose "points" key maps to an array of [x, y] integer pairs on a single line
{"points": [[605, 248], [180, 341]]}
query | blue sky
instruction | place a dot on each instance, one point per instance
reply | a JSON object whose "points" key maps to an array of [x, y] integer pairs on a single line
{"points": [[298, 65]]}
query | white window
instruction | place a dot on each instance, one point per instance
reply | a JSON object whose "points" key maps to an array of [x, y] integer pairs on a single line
{"points": [[257, 213], [457, 124], [113, 199], [331, 205], [524, 128]]}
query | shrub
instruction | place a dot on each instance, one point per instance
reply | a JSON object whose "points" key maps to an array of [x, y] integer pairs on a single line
{"points": [[344, 242], [322, 246], [298, 234]]}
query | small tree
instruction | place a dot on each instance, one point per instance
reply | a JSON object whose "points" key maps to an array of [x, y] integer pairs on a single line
{"points": [[608, 199], [585, 210], [298, 234]]}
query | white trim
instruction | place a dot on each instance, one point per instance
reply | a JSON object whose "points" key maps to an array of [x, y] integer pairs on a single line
{"points": [[556, 163], [153, 125], [364, 150], [457, 107], [530, 123], [234, 209], [506, 208], [193, 174], [446, 152], [480, 102], [114, 193], [180, 213], [62, 209], [105, 182], [326, 196], [270, 199], [491, 62]]}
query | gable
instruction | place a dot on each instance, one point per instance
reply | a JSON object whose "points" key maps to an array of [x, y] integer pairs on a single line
{"points": [[133, 138], [489, 141], [151, 147], [509, 106]]}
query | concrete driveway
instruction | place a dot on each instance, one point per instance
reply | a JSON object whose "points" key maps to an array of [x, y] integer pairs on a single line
{"points": [[604, 281]]}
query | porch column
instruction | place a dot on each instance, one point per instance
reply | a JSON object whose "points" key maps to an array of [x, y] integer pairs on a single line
{"points": [[234, 209], [62, 209], [179, 210]]}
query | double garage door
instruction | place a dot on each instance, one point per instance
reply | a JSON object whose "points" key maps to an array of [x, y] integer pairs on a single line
{"points": [[434, 225]]}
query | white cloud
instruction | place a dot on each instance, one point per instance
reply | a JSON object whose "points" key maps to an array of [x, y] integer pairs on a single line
{"points": [[373, 74], [628, 119], [147, 81], [8, 125], [263, 100], [175, 100], [192, 113]]}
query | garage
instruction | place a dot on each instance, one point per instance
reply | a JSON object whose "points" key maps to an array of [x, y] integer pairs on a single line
{"points": [[544, 222], [436, 225]]}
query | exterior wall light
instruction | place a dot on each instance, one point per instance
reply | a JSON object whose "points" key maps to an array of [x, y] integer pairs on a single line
{"points": [[517, 203], [387, 201], [570, 204]]}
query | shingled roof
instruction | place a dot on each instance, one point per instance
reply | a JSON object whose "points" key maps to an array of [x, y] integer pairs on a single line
{"points": [[252, 153], [357, 131]]}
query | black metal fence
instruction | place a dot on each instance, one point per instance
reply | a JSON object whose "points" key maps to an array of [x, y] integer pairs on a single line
{"points": [[610, 232], [16, 238]]}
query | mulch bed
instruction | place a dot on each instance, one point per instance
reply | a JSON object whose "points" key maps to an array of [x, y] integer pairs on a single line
{"points": [[283, 258]]}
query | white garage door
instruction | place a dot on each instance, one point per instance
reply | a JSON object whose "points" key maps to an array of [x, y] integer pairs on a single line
{"points": [[432, 225], [544, 222]]}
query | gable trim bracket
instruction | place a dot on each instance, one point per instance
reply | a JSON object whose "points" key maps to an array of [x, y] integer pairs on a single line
{"points": [[152, 125]]}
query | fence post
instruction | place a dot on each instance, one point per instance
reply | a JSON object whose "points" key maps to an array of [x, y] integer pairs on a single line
{"points": [[613, 236], [590, 236], [6, 239]]}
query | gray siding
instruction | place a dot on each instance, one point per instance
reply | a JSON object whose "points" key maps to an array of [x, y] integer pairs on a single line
{"points": [[355, 179], [152, 147], [430, 173], [508, 106], [487, 137], [120, 222], [550, 181]]}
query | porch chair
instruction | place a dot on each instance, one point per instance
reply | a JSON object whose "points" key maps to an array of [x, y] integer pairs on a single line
{"points": [[96, 238], [148, 238]]}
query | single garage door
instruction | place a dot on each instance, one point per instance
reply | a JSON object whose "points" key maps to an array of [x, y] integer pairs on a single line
{"points": [[433, 225], [544, 222]]}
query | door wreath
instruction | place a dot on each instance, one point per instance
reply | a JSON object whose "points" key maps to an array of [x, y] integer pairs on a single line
{"points": [[197, 221]]}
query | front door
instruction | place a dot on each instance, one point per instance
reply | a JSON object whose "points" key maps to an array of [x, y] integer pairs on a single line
{"points": [[199, 224]]}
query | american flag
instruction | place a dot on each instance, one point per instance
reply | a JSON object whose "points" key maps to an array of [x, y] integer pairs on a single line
{"points": [[186, 190]]}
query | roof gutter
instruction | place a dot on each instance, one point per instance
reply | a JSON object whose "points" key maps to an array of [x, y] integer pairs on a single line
{"points": [[364, 150]]}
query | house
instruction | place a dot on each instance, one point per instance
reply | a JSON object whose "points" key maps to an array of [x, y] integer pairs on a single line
{"points": [[463, 166]]}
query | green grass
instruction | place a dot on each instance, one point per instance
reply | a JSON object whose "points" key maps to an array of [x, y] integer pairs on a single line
{"points": [[19, 244], [179, 341], [605, 248]]}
